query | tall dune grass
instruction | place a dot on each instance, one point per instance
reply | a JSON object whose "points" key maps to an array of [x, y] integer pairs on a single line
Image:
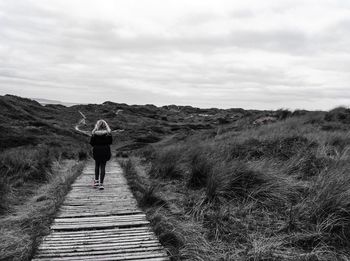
{"points": [[28, 166], [280, 191], [27, 221]]}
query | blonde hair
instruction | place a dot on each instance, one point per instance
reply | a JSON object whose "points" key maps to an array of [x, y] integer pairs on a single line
{"points": [[101, 125]]}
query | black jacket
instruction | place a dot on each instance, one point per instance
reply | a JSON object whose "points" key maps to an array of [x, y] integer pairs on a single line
{"points": [[101, 150]]}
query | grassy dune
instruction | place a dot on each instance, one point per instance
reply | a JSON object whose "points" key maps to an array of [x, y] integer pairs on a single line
{"points": [[32, 209], [40, 155], [274, 192], [216, 184]]}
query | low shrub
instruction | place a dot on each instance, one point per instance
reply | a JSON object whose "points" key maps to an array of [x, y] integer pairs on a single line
{"points": [[168, 237], [147, 153], [281, 148], [339, 142], [233, 180], [298, 113], [133, 146], [283, 114], [145, 194], [68, 154], [3, 192], [82, 155], [250, 149], [200, 169], [221, 226], [333, 126], [121, 154], [148, 139], [150, 198], [11, 141], [27, 164], [340, 114], [327, 207], [307, 165], [166, 164]]}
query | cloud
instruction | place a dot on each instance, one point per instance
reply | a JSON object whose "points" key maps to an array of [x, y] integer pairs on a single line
{"points": [[208, 53]]}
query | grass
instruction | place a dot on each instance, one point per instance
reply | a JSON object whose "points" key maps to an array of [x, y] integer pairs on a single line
{"points": [[168, 165], [40, 155], [26, 222], [181, 239], [152, 204], [145, 193], [240, 191], [274, 192], [26, 166]]}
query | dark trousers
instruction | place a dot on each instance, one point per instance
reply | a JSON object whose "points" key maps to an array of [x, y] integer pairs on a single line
{"points": [[100, 170]]}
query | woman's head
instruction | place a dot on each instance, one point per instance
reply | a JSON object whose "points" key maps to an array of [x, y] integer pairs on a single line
{"points": [[102, 127]]}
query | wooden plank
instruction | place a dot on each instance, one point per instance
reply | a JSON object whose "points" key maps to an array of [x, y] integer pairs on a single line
{"points": [[139, 255], [133, 231], [82, 208], [94, 226], [99, 239], [101, 199], [95, 219], [109, 257], [139, 214], [102, 258], [70, 209], [93, 191], [102, 221], [100, 213], [106, 249], [73, 234], [100, 196], [103, 231], [101, 235], [101, 205], [96, 236], [145, 238], [118, 246], [121, 202]]}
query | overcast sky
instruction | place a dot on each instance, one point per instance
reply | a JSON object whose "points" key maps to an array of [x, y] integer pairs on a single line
{"points": [[251, 54]]}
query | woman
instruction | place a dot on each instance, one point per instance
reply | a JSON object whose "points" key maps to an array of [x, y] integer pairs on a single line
{"points": [[100, 140]]}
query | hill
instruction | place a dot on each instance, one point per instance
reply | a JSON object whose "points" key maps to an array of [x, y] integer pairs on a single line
{"points": [[32, 134], [47, 102], [276, 191], [21, 118], [29, 128], [229, 184]]}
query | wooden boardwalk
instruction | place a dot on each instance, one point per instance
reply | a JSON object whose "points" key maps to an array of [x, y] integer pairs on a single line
{"points": [[97, 224]]}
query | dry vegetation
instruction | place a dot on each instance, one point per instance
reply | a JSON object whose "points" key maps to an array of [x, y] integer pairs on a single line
{"points": [[279, 191], [33, 205], [216, 184], [40, 156]]}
